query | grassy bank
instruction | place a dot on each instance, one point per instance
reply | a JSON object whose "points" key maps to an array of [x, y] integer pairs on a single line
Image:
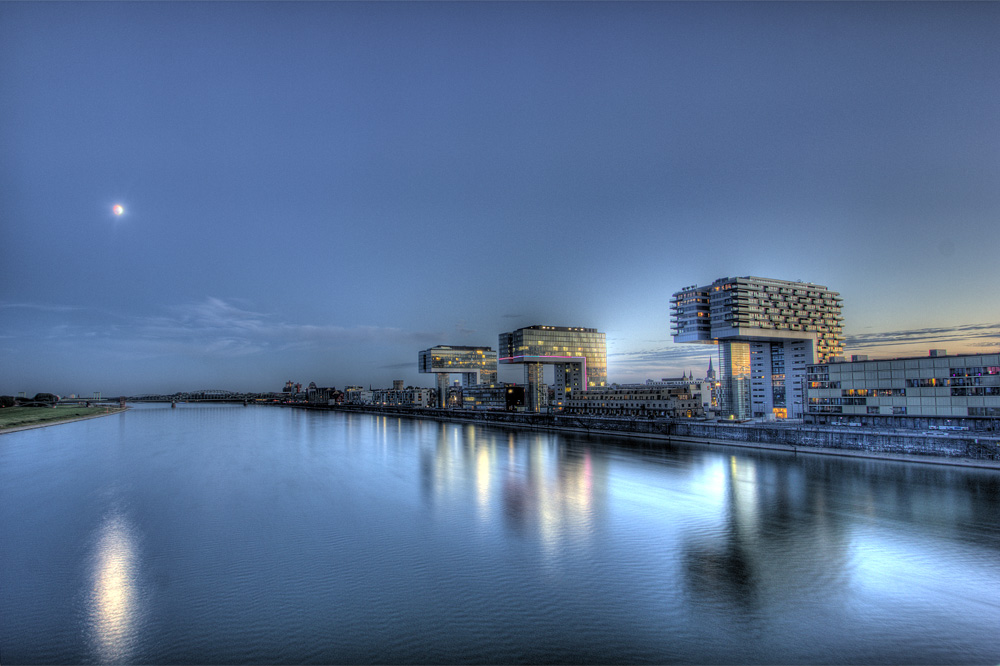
{"points": [[20, 417]]}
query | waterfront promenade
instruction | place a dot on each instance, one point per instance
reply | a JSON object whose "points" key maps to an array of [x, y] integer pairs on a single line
{"points": [[968, 448]]}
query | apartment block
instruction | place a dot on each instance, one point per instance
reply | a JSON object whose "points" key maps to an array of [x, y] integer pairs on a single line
{"points": [[768, 331], [640, 400]]}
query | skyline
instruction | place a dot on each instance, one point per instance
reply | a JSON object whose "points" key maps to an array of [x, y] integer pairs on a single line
{"points": [[318, 191]]}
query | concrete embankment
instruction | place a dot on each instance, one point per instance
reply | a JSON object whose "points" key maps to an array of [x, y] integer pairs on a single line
{"points": [[959, 448]]}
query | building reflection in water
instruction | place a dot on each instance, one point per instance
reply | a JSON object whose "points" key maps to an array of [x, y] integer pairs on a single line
{"points": [[776, 541], [113, 606], [790, 537], [745, 538], [523, 485]]}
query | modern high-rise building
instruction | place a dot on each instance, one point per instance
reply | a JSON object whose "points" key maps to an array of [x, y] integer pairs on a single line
{"points": [[580, 357], [477, 365], [768, 331]]}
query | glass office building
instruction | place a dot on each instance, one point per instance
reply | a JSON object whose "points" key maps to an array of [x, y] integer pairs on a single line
{"points": [[477, 365], [960, 392], [579, 355]]}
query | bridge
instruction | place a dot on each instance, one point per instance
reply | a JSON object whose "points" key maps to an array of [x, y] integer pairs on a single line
{"points": [[203, 395]]}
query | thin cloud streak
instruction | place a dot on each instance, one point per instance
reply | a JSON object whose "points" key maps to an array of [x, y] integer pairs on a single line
{"points": [[984, 338], [662, 355], [41, 307], [214, 327], [968, 333]]}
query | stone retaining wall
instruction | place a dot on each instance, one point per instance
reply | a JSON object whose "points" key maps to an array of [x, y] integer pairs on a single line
{"points": [[897, 442]]}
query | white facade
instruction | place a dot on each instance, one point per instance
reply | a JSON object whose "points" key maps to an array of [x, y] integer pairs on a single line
{"points": [[778, 376], [357, 395], [768, 331]]}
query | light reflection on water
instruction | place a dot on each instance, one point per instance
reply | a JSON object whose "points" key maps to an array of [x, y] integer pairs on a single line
{"points": [[114, 600]]}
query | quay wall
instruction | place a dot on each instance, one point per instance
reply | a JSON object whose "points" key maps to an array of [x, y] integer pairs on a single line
{"points": [[792, 437]]}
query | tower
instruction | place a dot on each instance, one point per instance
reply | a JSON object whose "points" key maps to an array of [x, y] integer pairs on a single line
{"points": [[767, 330]]}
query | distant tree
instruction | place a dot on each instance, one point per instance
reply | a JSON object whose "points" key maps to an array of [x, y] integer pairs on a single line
{"points": [[45, 397], [6, 401]]}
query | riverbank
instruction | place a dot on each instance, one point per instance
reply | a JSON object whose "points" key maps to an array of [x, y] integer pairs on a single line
{"points": [[15, 419], [969, 449]]}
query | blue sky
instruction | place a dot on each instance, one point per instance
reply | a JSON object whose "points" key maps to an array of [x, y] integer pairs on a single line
{"points": [[316, 191]]}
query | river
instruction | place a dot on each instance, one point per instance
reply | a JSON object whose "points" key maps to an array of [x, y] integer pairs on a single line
{"points": [[230, 534]]}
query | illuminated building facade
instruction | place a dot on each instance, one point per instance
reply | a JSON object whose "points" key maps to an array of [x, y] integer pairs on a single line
{"points": [[940, 391], [768, 331], [579, 355], [640, 400], [477, 365], [506, 397], [405, 397]]}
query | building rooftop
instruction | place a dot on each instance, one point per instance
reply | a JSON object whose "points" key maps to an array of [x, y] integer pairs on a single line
{"points": [[844, 361], [539, 327]]}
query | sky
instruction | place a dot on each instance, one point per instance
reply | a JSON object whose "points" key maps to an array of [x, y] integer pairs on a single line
{"points": [[317, 191]]}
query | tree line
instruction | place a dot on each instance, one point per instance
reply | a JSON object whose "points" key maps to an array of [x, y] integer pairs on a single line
{"points": [[40, 400]]}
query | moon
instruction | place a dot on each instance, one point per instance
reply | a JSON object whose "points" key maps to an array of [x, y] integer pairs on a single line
{"points": [[118, 209]]}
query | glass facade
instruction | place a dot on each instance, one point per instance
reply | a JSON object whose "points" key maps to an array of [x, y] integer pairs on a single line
{"points": [[734, 394], [583, 348], [780, 407], [477, 365], [579, 355]]}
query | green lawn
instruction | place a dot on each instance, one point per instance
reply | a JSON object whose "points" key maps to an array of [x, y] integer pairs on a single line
{"points": [[14, 417]]}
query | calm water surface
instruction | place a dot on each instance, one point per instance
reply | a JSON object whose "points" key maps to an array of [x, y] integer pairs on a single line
{"points": [[229, 534]]}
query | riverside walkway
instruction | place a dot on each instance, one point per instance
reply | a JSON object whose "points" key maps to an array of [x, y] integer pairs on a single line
{"points": [[968, 448]]}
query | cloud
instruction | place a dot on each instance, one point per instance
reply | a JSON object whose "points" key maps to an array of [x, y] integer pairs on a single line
{"points": [[666, 354], [216, 313], [408, 365], [461, 330], [239, 330], [659, 360], [972, 334], [979, 336], [214, 327], [41, 307]]}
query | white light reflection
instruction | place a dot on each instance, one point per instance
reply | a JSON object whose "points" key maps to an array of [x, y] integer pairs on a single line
{"points": [[745, 499], [484, 468], [114, 603], [548, 501]]}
